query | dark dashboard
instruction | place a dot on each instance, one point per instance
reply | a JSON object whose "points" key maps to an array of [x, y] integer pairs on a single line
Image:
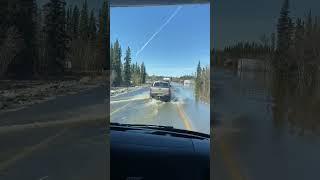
{"points": [[154, 152]]}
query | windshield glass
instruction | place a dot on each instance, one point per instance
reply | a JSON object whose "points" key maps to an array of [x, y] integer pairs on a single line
{"points": [[159, 70]]}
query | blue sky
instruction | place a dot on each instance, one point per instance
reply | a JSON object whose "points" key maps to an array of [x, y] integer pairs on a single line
{"points": [[182, 40], [236, 20]]}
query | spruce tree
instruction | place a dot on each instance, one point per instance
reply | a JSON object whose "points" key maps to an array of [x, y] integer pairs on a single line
{"points": [[24, 19], [117, 63], [75, 22], [84, 21], [126, 68], [299, 33], [143, 73], [308, 46], [103, 35], [198, 80], [56, 36], [111, 56], [284, 34], [6, 18], [69, 20], [92, 26]]}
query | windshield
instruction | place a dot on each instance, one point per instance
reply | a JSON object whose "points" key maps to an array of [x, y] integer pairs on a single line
{"points": [[160, 73]]}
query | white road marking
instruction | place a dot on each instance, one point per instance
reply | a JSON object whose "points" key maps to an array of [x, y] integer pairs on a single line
{"points": [[129, 100], [117, 110], [35, 125], [29, 150]]}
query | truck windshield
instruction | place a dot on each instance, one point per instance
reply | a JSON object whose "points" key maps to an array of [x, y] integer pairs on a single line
{"points": [[147, 79], [161, 84]]}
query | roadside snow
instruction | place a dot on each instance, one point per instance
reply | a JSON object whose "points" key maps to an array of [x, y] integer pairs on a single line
{"points": [[19, 94], [116, 91]]}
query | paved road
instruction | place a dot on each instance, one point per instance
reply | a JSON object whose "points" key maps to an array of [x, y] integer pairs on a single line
{"points": [[64, 154], [89, 103], [56, 150], [182, 112]]}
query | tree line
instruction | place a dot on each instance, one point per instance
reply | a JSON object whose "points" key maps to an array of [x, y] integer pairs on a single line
{"points": [[298, 42], [262, 49], [294, 47], [126, 73], [297, 59], [52, 40], [202, 83], [251, 49], [294, 56]]}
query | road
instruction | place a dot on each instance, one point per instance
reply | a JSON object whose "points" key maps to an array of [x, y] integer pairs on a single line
{"points": [[65, 138], [252, 141], [182, 112], [90, 104], [56, 149]]}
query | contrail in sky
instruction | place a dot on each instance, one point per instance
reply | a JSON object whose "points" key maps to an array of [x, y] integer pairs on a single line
{"points": [[160, 29]]}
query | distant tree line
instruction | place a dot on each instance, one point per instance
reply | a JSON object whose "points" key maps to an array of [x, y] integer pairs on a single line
{"points": [[251, 49], [126, 73], [202, 83], [53, 39], [245, 49], [186, 77]]}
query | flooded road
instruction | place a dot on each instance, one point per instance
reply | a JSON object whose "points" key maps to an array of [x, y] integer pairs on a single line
{"points": [[266, 127], [182, 112]]}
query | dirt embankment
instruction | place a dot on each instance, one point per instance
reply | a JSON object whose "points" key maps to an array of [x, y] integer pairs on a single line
{"points": [[18, 94]]}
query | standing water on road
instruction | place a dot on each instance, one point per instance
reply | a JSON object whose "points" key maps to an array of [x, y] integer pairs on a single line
{"points": [[182, 112], [270, 124]]}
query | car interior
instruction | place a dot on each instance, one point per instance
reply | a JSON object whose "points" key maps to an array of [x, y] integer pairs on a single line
{"points": [[139, 152]]}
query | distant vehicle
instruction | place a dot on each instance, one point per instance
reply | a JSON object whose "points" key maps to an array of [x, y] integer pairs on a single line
{"points": [[161, 90], [188, 82], [167, 80]]}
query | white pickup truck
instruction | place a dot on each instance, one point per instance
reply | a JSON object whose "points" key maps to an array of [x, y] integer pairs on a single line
{"points": [[161, 90]]}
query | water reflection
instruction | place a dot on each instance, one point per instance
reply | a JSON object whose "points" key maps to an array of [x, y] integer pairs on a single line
{"points": [[269, 123], [295, 102]]}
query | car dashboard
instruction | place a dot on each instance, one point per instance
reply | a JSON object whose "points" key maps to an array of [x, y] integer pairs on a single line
{"points": [[148, 153]]}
